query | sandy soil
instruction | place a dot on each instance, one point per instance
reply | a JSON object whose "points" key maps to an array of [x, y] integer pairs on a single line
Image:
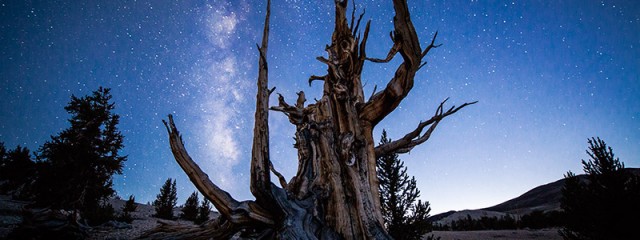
{"points": [[546, 234]]}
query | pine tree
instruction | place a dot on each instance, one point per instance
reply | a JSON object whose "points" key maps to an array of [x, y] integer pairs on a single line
{"points": [[129, 207], [190, 208], [166, 200], [76, 166], [404, 218], [601, 206], [16, 169], [203, 212], [3, 161]]}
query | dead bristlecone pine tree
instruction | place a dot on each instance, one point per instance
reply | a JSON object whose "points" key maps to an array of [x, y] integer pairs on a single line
{"points": [[334, 194]]}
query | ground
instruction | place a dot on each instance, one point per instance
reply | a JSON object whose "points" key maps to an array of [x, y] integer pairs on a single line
{"points": [[10, 211], [546, 234]]}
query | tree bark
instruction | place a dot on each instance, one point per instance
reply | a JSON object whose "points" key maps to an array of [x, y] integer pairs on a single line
{"points": [[334, 194]]}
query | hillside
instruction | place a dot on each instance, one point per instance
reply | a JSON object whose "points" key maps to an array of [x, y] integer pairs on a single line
{"points": [[544, 198]]}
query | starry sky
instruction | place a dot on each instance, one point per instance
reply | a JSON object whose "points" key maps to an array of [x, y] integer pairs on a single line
{"points": [[548, 75]]}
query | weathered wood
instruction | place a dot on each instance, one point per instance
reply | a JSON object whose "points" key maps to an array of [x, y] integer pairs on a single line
{"points": [[260, 162], [334, 194], [215, 229], [405, 42], [237, 212], [412, 139]]}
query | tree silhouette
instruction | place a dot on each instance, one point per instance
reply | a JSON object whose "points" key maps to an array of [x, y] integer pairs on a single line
{"points": [[76, 166], [190, 208], [166, 200], [404, 217], [130, 204], [602, 205], [203, 212], [129, 207], [334, 193], [17, 170]]}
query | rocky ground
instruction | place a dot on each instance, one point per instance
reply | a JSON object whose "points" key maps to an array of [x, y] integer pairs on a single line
{"points": [[143, 220], [11, 216]]}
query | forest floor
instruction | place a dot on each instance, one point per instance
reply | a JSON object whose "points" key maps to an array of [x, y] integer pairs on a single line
{"points": [[546, 234]]}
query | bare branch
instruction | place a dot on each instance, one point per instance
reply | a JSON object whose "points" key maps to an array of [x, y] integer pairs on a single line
{"points": [[301, 100], [414, 138], [406, 43], [422, 65], [375, 87], [314, 77], [355, 30], [431, 45], [294, 113], [283, 181], [222, 200], [353, 13], [392, 52], [363, 44]]}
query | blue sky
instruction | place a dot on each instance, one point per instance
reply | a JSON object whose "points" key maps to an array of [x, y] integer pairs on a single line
{"points": [[547, 75]]}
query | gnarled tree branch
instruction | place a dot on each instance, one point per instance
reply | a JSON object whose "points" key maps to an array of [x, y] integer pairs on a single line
{"points": [[414, 138], [294, 113], [406, 43], [231, 209], [392, 52], [314, 77], [283, 182]]}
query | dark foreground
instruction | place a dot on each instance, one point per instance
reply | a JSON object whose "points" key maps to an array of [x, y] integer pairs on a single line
{"points": [[547, 234]]}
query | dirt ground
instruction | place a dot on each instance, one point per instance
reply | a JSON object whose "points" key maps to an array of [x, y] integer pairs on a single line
{"points": [[10, 216], [546, 234]]}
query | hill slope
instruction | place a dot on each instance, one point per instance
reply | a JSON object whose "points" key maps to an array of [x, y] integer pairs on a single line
{"points": [[544, 198]]}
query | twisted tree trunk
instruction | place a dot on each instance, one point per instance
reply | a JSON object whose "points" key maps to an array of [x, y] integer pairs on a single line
{"points": [[334, 194]]}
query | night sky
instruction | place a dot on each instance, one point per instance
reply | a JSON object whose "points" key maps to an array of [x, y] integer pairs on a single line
{"points": [[548, 75]]}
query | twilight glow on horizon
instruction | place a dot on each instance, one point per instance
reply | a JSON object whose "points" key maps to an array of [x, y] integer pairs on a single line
{"points": [[548, 75]]}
